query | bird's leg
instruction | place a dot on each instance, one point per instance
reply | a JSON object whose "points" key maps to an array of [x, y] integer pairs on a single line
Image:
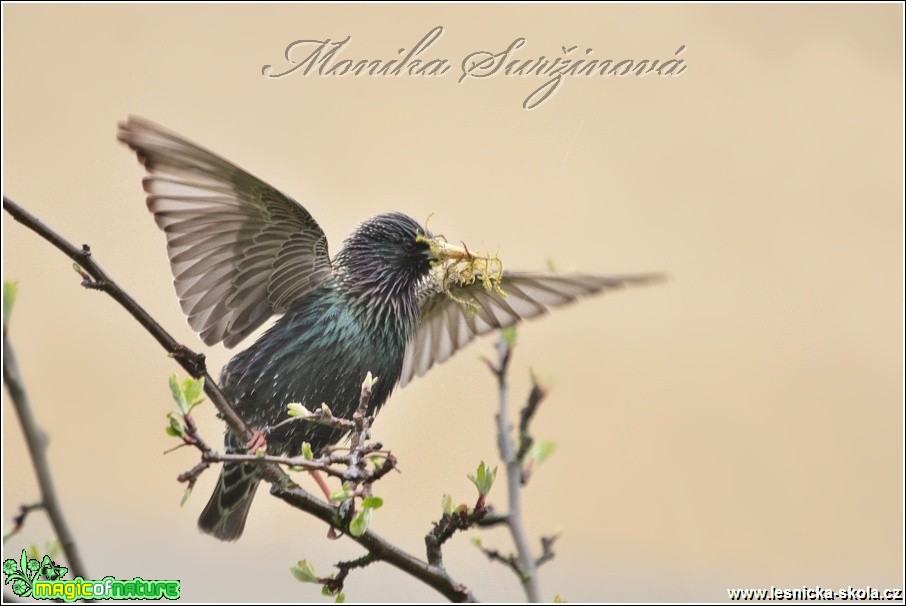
{"points": [[332, 533], [322, 483], [258, 442]]}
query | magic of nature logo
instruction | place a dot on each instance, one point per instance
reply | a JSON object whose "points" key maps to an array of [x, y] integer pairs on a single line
{"points": [[327, 58], [43, 580]]}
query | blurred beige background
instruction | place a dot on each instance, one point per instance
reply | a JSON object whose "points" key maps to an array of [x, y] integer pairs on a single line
{"points": [[738, 426]]}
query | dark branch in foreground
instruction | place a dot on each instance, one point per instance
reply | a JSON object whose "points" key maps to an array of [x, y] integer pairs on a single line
{"points": [[37, 449], [282, 485]]}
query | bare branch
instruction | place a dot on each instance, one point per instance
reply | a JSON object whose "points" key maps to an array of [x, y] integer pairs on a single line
{"points": [[37, 447], [19, 520], [513, 465], [547, 549], [335, 584], [449, 523], [535, 397]]}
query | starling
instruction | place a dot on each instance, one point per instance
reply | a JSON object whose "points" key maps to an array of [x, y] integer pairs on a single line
{"points": [[241, 252]]}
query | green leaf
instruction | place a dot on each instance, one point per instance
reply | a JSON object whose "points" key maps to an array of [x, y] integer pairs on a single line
{"points": [[185, 496], [326, 590], [341, 597], [193, 389], [175, 428], [540, 451], [359, 525], [483, 478], [378, 462], [297, 410], [188, 393], [10, 291], [372, 502], [307, 454], [304, 572], [476, 541], [178, 395], [509, 336], [339, 495]]}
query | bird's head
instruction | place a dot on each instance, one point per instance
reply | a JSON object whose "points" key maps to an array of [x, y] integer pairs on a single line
{"points": [[394, 249], [390, 255]]}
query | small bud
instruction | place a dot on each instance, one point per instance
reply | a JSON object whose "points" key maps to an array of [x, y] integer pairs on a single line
{"points": [[369, 381], [304, 572], [295, 409], [483, 479], [447, 504]]}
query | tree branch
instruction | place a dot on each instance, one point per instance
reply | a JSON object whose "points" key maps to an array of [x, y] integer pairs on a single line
{"points": [[19, 520], [282, 485], [37, 449], [508, 453]]}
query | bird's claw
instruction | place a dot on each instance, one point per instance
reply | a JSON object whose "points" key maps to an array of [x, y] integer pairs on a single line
{"points": [[257, 443]]}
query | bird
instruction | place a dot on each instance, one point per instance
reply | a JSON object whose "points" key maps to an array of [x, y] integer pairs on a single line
{"points": [[387, 303]]}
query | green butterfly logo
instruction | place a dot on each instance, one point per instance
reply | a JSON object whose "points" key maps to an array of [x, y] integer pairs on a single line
{"points": [[26, 571]]}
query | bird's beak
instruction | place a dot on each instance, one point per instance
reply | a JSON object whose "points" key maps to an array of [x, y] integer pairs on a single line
{"points": [[444, 250]]}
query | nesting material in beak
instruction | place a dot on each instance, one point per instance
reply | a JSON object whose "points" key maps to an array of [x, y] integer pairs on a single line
{"points": [[457, 266], [444, 251]]}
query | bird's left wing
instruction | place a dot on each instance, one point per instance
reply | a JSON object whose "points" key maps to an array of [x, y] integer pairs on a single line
{"points": [[449, 321], [240, 250]]}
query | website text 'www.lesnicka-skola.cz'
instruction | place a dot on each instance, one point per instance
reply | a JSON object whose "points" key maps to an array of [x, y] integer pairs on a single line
{"points": [[816, 594]]}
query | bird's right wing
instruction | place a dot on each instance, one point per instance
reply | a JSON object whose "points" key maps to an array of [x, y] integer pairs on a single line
{"points": [[239, 249], [449, 321]]}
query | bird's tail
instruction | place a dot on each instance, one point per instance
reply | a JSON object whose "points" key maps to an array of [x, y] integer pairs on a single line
{"points": [[224, 515]]}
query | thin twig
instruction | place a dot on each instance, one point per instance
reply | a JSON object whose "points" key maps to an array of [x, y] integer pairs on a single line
{"points": [[508, 560], [449, 523], [335, 584], [37, 449], [547, 550], [513, 475], [536, 396], [19, 520], [282, 485]]}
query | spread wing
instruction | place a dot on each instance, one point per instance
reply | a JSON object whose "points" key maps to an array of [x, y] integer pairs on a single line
{"points": [[446, 325], [239, 249]]}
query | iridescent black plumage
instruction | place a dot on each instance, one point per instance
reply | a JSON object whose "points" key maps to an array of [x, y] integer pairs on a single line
{"points": [[357, 322], [241, 251]]}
